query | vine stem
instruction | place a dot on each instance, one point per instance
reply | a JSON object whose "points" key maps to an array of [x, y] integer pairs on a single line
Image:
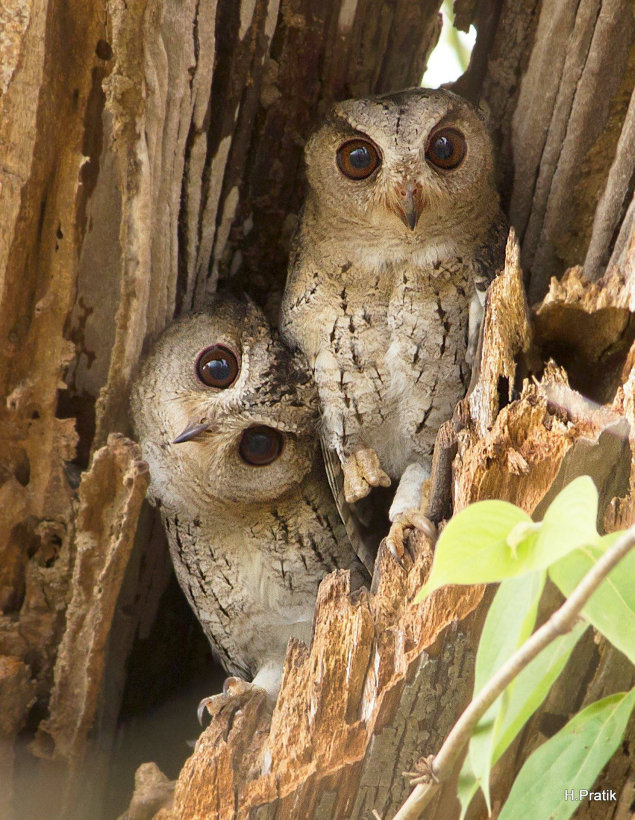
{"points": [[561, 622]]}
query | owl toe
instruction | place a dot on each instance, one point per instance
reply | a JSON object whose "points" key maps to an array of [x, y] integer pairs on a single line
{"points": [[400, 545], [235, 692], [362, 471]]}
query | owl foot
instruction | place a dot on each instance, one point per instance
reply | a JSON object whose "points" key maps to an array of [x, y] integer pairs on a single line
{"points": [[362, 471], [236, 690], [235, 693], [397, 538]]}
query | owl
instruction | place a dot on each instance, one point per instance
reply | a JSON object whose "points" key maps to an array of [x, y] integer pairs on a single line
{"points": [[226, 419], [400, 236]]}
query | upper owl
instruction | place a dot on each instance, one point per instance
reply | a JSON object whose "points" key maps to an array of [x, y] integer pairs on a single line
{"points": [[400, 235], [226, 418], [403, 173]]}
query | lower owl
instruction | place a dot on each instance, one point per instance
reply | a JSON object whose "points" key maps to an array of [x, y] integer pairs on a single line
{"points": [[226, 418]]}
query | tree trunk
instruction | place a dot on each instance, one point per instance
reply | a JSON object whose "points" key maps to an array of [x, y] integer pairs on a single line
{"points": [[150, 149]]}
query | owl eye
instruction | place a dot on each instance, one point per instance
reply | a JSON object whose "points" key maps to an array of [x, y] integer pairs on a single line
{"points": [[446, 148], [260, 446], [357, 159], [217, 366]]}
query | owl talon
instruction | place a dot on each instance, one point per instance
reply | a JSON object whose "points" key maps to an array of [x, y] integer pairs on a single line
{"points": [[200, 709], [233, 689], [362, 472], [396, 540], [415, 519], [395, 545]]}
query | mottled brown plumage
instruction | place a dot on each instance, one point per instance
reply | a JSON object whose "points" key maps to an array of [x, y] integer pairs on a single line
{"points": [[397, 244], [250, 541]]}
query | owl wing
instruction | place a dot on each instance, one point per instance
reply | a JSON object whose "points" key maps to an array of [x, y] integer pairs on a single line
{"points": [[363, 520], [366, 522]]}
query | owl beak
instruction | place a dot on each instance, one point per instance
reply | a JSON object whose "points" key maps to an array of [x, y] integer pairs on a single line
{"points": [[191, 431], [408, 204]]}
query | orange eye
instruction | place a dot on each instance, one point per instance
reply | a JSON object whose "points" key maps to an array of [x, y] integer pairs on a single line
{"points": [[260, 446], [217, 366], [446, 148], [357, 159]]}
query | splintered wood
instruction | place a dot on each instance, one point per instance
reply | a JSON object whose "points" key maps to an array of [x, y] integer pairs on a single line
{"points": [[354, 684], [103, 540], [383, 680]]}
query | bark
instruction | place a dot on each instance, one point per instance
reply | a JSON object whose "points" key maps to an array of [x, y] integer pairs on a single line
{"points": [[150, 150]]}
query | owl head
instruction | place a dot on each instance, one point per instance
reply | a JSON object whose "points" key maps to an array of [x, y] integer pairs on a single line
{"points": [[223, 411], [416, 165]]}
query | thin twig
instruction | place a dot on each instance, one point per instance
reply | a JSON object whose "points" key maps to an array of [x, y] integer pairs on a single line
{"points": [[561, 622]]}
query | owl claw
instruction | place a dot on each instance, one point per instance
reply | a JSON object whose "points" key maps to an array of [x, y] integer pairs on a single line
{"points": [[396, 540], [396, 548], [233, 688], [396, 543], [200, 709], [415, 519], [362, 472]]}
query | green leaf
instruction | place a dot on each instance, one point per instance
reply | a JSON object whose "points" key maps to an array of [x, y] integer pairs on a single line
{"points": [[510, 620], [509, 623], [531, 687], [569, 522], [473, 549], [572, 759], [493, 540], [519, 701], [611, 608]]}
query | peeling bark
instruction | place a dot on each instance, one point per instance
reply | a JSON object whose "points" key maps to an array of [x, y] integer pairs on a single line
{"points": [[103, 540], [342, 728]]}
